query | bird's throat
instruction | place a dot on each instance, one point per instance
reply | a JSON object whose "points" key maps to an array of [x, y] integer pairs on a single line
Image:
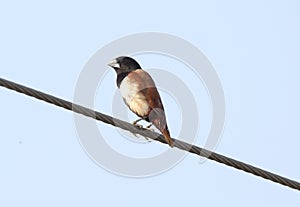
{"points": [[120, 77]]}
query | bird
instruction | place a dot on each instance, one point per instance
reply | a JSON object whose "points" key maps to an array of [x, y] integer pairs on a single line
{"points": [[140, 94]]}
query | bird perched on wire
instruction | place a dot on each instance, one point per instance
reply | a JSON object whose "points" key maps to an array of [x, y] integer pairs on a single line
{"points": [[140, 94]]}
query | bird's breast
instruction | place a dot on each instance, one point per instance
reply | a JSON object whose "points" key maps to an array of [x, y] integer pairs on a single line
{"points": [[133, 97]]}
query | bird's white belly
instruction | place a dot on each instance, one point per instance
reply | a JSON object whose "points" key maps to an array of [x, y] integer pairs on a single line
{"points": [[134, 98]]}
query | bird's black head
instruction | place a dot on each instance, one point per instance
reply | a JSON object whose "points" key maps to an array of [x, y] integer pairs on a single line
{"points": [[124, 64]]}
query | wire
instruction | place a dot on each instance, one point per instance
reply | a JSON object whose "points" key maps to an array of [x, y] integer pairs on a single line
{"points": [[147, 133]]}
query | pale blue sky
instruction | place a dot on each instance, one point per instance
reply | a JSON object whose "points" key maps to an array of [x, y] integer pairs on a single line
{"points": [[254, 47]]}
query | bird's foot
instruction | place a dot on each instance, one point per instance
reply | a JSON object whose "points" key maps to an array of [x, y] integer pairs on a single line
{"points": [[150, 125], [151, 129], [136, 121]]}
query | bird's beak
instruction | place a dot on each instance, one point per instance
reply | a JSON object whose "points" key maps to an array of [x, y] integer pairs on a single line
{"points": [[114, 64]]}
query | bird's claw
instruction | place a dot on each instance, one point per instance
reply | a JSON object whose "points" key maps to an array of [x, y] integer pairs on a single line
{"points": [[136, 121], [138, 126], [141, 127]]}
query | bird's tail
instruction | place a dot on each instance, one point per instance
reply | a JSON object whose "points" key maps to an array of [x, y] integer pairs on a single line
{"points": [[167, 136]]}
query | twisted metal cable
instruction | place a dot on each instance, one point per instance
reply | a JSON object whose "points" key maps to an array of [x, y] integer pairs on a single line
{"points": [[147, 133]]}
